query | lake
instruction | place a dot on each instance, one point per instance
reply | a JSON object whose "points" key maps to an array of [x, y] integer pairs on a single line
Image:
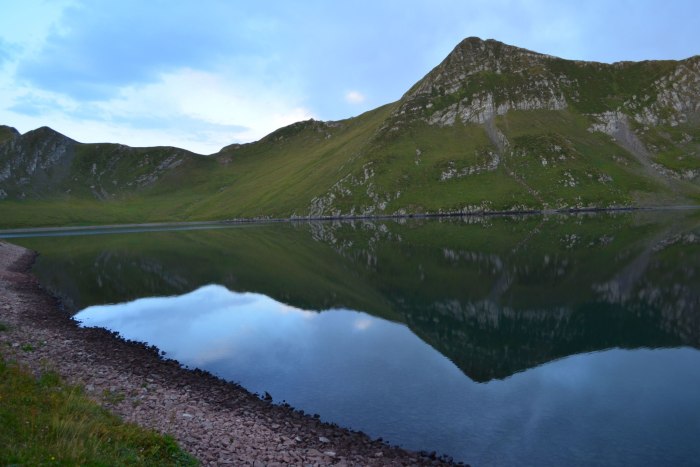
{"points": [[537, 340]]}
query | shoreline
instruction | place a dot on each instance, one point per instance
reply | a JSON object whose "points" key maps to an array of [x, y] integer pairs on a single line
{"points": [[216, 421], [97, 229]]}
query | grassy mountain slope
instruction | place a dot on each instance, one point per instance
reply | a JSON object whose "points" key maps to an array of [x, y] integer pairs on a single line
{"points": [[491, 128]]}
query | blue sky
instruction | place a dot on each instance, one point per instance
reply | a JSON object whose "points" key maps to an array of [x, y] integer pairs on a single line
{"points": [[204, 74]]}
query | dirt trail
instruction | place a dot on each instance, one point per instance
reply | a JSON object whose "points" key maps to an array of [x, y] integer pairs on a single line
{"points": [[218, 422]]}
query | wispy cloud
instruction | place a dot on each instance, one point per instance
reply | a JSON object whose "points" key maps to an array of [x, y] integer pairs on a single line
{"points": [[205, 110], [96, 51], [354, 97], [254, 108], [5, 52]]}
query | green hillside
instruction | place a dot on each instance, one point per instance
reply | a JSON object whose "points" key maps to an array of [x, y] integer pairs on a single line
{"points": [[492, 128]]}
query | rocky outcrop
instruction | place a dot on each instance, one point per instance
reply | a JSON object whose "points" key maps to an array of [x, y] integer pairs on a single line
{"points": [[44, 163], [470, 57], [480, 80], [28, 162], [484, 107], [616, 124], [677, 97]]}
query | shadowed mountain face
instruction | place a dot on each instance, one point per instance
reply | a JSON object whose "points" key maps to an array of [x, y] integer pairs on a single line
{"points": [[491, 128], [494, 295], [44, 163]]}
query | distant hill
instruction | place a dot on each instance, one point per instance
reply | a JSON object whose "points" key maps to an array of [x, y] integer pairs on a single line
{"points": [[491, 128]]}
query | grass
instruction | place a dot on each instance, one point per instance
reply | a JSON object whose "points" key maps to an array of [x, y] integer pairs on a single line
{"points": [[384, 163], [676, 148], [47, 422], [603, 174], [597, 87], [280, 175]]}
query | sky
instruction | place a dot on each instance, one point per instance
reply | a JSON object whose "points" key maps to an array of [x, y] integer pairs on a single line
{"points": [[204, 74]]}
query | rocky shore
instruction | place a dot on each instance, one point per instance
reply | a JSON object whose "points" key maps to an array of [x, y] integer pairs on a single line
{"points": [[218, 422]]}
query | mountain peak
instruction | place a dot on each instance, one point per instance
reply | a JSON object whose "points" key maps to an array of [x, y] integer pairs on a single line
{"points": [[46, 133], [478, 46], [480, 79], [475, 55]]}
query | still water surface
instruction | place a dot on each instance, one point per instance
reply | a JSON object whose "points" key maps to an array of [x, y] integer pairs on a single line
{"points": [[546, 341]]}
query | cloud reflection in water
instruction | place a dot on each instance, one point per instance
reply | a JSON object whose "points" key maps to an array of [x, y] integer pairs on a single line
{"points": [[377, 376]]}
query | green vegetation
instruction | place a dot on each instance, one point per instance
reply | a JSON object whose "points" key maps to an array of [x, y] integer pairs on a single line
{"points": [[556, 155], [47, 422], [393, 160], [676, 148], [598, 87]]}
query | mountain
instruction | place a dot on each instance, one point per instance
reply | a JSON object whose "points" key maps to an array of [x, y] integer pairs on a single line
{"points": [[44, 163], [491, 128]]}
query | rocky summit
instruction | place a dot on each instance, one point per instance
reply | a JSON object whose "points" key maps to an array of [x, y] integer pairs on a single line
{"points": [[492, 128]]}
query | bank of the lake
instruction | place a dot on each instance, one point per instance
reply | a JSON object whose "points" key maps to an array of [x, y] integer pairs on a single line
{"points": [[34, 229], [218, 422]]}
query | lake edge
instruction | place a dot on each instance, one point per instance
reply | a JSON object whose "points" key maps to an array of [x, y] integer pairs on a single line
{"points": [[201, 391]]}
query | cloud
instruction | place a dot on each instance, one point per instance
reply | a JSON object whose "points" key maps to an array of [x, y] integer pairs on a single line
{"points": [[194, 76], [4, 52], [362, 324], [29, 108], [354, 97], [255, 109], [197, 110], [97, 50]]}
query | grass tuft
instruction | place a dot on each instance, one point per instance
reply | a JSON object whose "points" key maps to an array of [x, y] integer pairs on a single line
{"points": [[47, 422]]}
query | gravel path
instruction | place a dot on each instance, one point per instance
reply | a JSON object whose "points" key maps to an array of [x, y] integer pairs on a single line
{"points": [[218, 422]]}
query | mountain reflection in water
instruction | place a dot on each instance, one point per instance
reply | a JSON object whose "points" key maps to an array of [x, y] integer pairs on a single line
{"points": [[377, 376], [489, 298]]}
